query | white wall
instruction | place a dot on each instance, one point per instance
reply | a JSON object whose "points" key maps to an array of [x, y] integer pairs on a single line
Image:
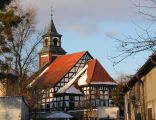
{"points": [[13, 108]]}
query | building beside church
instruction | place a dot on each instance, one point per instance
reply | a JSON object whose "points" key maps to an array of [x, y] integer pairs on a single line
{"points": [[13, 108], [70, 83], [140, 95]]}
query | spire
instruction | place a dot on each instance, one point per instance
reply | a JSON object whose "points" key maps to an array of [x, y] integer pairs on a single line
{"points": [[52, 28], [51, 44], [51, 13]]}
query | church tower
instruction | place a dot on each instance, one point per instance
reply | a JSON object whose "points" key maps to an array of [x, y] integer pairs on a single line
{"points": [[51, 46]]}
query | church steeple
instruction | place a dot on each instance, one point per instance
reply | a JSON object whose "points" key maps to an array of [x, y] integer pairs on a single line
{"points": [[51, 45], [52, 28]]}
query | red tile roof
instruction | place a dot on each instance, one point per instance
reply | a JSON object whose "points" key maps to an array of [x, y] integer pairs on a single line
{"points": [[96, 73], [57, 69]]}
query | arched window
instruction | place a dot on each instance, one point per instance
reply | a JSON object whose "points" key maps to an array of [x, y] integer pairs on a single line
{"points": [[46, 42], [55, 41]]}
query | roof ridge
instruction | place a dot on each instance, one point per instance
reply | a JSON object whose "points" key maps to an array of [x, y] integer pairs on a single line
{"points": [[77, 52], [72, 54]]}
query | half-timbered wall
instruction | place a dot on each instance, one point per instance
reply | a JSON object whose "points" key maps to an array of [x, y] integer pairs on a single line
{"points": [[95, 96], [44, 98], [78, 66], [71, 102], [49, 102]]}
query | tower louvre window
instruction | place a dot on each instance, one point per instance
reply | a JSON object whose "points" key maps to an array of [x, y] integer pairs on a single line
{"points": [[51, 45], [55, 41], [46, 42]]}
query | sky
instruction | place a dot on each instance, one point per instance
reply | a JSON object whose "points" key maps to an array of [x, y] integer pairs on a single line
{"points": [[91, 25]]}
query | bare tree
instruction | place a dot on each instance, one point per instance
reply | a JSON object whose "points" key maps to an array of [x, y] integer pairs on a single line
{"points": [[145, 39], [116, 93], [21, 41]]}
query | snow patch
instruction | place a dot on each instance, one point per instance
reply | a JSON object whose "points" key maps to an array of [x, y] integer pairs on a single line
{"points": [[59, 115], [105, 112], [83, 79], [73, 90], [104, 83]]}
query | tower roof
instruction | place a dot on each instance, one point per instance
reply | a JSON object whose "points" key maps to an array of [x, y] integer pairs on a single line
{"points": [[51, 48], [52, 28]]}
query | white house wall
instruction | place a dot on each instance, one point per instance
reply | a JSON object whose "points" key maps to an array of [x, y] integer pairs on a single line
{"points": [[12, 108]]}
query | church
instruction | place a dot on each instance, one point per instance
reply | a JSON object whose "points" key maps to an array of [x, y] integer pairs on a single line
{"points": [[73, 83]]}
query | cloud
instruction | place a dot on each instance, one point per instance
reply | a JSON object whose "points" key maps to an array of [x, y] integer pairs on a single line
{"points": [[84, 29], [84, 16], [95, 9], [112, 34]]}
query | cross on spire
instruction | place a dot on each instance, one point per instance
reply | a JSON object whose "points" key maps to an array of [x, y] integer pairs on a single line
{"points": [[51, 12], [51, 28]]}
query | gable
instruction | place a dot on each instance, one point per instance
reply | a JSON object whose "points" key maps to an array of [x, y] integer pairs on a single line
{"points": [[99, 74], [96, 74]]}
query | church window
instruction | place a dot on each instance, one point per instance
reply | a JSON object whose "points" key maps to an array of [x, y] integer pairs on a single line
{"points": [[71, 103], [46, 42], [48, 106], [55, 41]]}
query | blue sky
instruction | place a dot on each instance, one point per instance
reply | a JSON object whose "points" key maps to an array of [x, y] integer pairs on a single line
{"points": [[90, 25]]}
